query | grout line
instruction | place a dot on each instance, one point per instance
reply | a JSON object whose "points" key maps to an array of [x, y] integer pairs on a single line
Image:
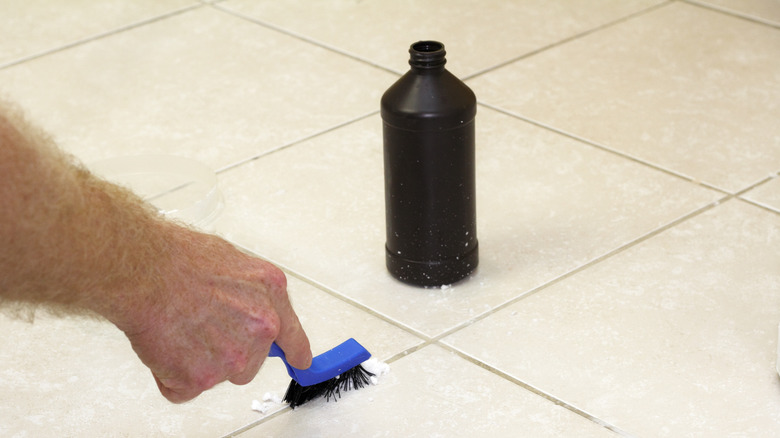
{"points": [[362, 307], [734, 13], [258, 422], [409, 351], [586, 265], [538, 391], [295, 142], [438, 339], [356, 304], [101, 35], [425, 340], [755, 185], [265, 153], [569, 39], [767, 207], [303, 38], [287, 409], [604, 148]]}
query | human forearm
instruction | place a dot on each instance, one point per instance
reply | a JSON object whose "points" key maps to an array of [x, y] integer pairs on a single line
{"points": [[67, 239]]}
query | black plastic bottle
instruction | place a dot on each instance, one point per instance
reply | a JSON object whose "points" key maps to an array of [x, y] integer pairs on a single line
{"points": [[430, 203]]}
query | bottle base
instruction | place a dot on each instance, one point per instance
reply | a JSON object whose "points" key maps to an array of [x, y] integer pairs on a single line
{"points": [[433, 272]]}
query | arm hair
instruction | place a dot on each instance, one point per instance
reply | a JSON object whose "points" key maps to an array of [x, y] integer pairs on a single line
{"points": [[69, 241]]}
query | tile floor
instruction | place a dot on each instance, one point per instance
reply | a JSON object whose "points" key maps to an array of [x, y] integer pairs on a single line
{"points": [[628, 210]]}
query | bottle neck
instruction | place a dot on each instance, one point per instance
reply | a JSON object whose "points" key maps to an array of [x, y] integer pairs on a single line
{"points": [[427, 56]]}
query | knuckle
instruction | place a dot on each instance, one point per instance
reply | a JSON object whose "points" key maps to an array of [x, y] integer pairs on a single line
{"points": [[267, 276], [276, 280], [266, 326]]}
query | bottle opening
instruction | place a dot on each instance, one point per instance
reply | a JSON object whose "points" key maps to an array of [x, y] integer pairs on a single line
{"points": [[427, 54], [427, 46]]}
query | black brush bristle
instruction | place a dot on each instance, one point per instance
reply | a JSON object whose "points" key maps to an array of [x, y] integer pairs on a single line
{"points": [[355, 378]]}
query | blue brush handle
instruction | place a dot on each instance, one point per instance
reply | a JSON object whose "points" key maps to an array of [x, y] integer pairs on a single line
{"points": [[277, 352], [326, 366]]}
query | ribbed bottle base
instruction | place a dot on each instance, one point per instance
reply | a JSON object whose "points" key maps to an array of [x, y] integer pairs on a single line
{"points": [[433, 272]]}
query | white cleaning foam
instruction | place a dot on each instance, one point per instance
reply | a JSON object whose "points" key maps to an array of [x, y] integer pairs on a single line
{"points": [[261, 407], [376, 368], [269, 401], [271, 397]]}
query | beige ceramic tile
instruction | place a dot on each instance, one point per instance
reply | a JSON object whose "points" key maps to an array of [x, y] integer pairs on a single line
{"points": [[76, 378], [203, 84], [763, 10], [767, 194], [433, 393], [683, 87], [477, 34], [546, 205], [32, 27], [674, 337]]}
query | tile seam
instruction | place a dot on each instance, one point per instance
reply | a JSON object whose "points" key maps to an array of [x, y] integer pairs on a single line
{"points": [[767, 208], [422, 337], [439, 340], [762, 206], [741, 195], [569, 39], [274, 150], [300, 37], [287, 409], [733, 13], [586, 265], [537, 391], [756, 184], [362, 307], [258, 422], [605, 148], [101, 35]]}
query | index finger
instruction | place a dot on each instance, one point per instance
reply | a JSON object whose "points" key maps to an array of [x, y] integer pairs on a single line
{"points": [[292, 338]]}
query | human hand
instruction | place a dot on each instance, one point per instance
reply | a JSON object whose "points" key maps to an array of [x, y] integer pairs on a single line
{"points": [[196, 310], [214, 318]]}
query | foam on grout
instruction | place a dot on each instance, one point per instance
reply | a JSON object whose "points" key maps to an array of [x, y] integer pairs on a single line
{"points": [[269, 401], [376, 368]]}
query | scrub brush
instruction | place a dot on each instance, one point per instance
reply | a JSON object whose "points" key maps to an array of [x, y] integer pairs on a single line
{"points": [[330, 373]]}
